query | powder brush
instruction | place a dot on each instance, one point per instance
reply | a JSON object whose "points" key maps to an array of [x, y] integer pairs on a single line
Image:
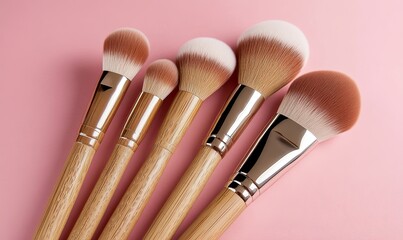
{"points": [[318, 106], [270, 55], [160, 79], [205, 64], [125, 51]]}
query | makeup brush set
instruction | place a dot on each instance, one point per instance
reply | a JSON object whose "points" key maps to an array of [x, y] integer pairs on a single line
{"points": [[318, 105]]}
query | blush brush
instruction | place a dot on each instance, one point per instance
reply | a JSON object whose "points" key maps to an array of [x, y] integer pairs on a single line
{"points": [[205, 64], [125, 51], [160, 79], [318, 106], [270, 55]]}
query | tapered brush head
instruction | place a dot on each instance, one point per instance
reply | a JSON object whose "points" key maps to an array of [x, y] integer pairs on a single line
{"points": [[324, 102], [125, 51], [205, 64], [270, 55], [161, 78]]}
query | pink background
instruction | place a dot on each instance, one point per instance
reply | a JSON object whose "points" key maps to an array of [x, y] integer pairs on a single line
{"points": [[350, 187]]}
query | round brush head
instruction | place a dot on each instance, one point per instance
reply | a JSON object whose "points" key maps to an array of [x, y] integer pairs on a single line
{"points": [[161, 78], [205, 64], [125, 51], [270, 55], [324, 102]]}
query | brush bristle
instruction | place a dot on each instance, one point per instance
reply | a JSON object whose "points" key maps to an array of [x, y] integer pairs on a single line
{"points": [[270, 55], [161, 78], [324, 102], [125, 51], [205, 64]]}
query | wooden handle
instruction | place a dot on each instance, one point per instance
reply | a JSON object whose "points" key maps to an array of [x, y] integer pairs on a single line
{"points": [[66, 192], [184, 195], [216, 218], [137, 195], [141, 116], [177, 120], [102, 193], [129, 209]]}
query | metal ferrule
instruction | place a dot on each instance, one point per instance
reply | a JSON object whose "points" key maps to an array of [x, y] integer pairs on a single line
{"points": [[107, 97], [139, 120], [282, 142], [236, 114]]}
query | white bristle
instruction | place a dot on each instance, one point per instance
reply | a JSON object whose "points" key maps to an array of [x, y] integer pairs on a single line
{"points": [[120, 64], [324, 102], [307, 114], [212, 49], [125, 51], [281, 31], [161, 78]]}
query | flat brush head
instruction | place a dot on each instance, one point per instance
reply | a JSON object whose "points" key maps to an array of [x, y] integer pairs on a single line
{"points": [[270, 55], [161, 78], [324, 102], [125, 51], [205, 64]]}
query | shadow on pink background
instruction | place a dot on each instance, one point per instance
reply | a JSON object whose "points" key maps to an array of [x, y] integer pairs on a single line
{"points": [[350, 187]]}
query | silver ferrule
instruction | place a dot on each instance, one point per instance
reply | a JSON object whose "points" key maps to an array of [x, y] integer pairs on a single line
{"points": [[281, 143], [238, 111], [139, 120], [106, 99]]}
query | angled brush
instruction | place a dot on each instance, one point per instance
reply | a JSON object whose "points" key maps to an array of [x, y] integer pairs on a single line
{"points": [[160, 79], [270, 55], [318, 106], [205, 64], [125, 51]]}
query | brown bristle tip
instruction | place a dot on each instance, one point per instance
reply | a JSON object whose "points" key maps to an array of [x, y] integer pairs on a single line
{"points": [[125, 51], [161, 78], [270, 55], [324, 102], [205, 64]]}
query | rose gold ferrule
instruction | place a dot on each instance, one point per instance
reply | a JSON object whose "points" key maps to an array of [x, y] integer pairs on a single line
{"points": [[106, 100], [281, 143], [139, 120], [238, 111]]}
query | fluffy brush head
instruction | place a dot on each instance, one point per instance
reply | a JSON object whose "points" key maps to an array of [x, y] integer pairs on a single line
{"points": [[324, 102], [205, 64], [270, 55], [125, 51], [161, 78]]}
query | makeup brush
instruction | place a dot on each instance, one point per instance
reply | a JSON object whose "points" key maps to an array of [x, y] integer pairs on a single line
{"points": [[318, 106], [270, 55], [125, 51], [160, 79], [205, 64]]}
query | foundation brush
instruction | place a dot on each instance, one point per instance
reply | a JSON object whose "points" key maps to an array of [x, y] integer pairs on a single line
{"points": [[270, 55], [160, 79], [125, 51], [204, 65], [318, 106]]}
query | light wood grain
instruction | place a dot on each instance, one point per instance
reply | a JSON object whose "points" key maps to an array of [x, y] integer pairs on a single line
{"points": [[139, 121], [129, 209], [66, 192], [184, 195], [136, 197], [102, 193], [180, 115], [216, 218]]}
